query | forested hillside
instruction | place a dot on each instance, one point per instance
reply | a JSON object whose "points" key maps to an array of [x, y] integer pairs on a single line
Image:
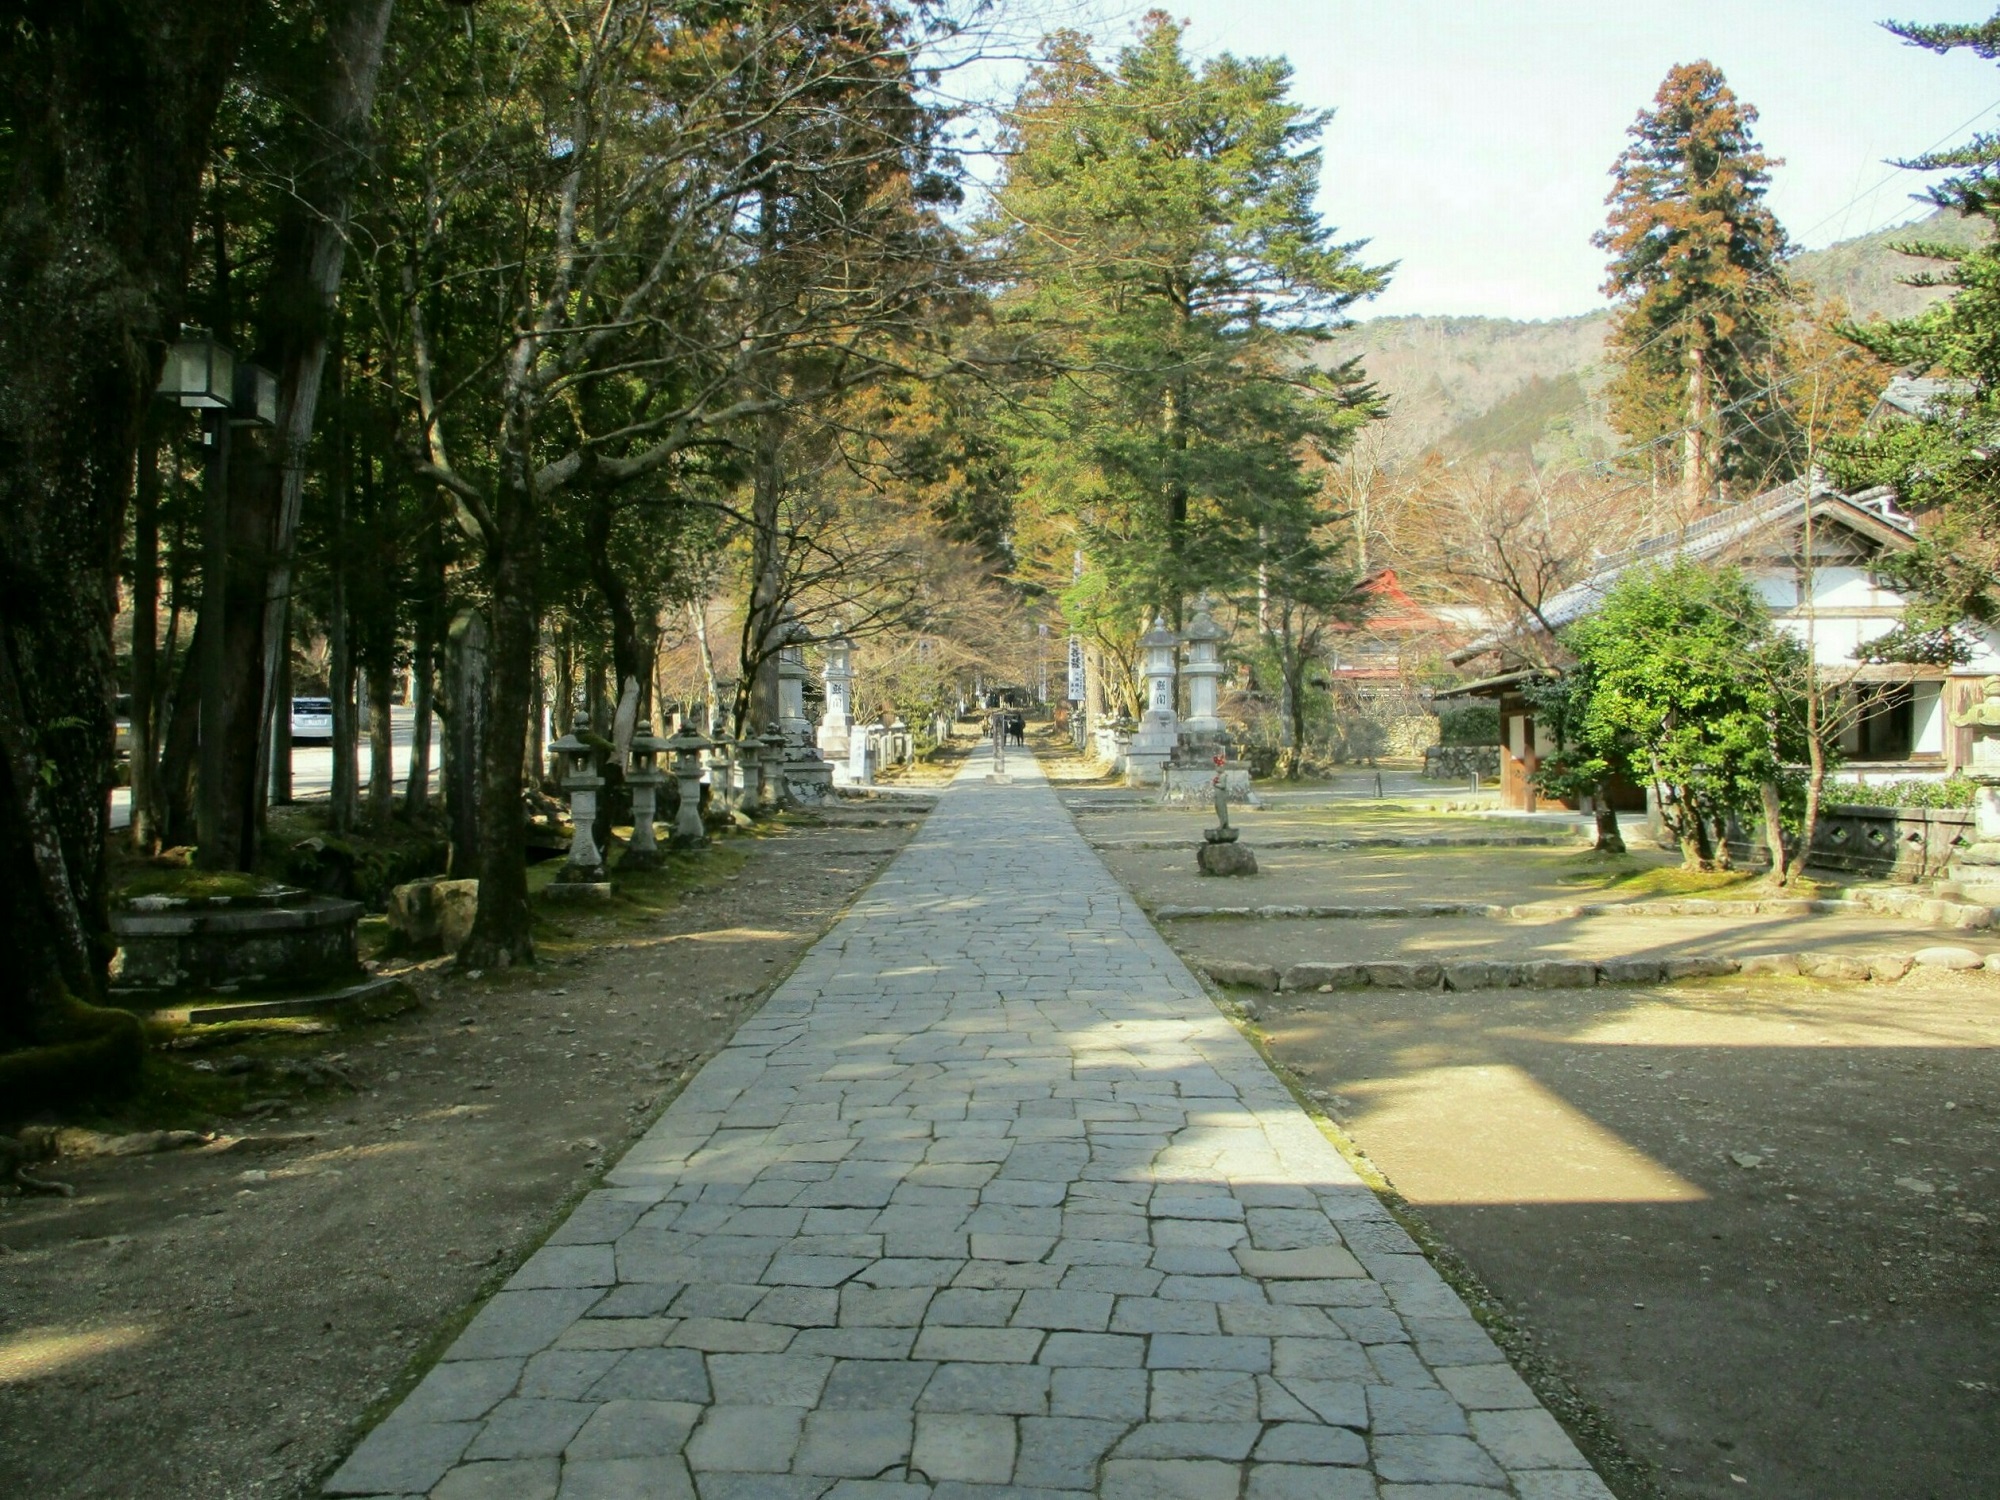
{"points": [[1471, 386]]}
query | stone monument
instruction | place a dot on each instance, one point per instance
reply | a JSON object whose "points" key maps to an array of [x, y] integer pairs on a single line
{"points": [[834, 724], [1159, 728]]}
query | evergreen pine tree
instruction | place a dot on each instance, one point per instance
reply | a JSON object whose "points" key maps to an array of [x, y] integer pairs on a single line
{"points": [[1697, 260], [1948, 459]]}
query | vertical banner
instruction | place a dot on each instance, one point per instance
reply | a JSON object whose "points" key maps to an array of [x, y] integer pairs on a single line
{"points": [[1075, 669]]}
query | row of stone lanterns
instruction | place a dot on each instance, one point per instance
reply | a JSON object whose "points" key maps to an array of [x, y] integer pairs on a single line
{"points": [[746, 776]]}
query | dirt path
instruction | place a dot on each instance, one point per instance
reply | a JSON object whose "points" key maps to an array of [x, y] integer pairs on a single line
{"points": [[213, 1324]]}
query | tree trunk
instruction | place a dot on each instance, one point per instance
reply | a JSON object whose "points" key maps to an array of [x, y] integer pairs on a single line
{"points": [[1774, 831], [698, 611], [295, 315], [764, 619], [1816, 769], [1294, 670], [381, 748], [145, 641], [105, 107], [423, 666], [502, 931], [1697, 460], [465, 738], [280, 730], [340, 685], [1609, 839]]}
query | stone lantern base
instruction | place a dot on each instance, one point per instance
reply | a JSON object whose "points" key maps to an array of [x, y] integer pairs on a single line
{"points": [[1976, 866]]}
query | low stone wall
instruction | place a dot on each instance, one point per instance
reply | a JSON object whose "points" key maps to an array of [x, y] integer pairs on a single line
{"points": [[1461, 762], [1581, 973], [1895, 843], [1962, 916]]}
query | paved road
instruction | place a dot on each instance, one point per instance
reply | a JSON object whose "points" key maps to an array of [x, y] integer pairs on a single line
{"points": [[987, 1201], [312, 765]]}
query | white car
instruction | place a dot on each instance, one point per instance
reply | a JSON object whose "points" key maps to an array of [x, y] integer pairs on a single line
{"points": [[312, 719]]}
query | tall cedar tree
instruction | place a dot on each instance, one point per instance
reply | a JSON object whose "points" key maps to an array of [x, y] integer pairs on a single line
{"points": [[1948, 459], [1697, 259], [1167, 257]]}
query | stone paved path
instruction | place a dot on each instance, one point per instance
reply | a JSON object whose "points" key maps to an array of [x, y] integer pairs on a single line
{"points": [[988, 1201]]}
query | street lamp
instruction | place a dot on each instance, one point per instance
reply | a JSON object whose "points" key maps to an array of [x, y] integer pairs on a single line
{"points": [[203, 374]]}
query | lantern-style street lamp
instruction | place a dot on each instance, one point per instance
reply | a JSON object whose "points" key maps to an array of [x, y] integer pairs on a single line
{"points": [[581, 779], [1158, 644], [645, 778], [202, 374]]}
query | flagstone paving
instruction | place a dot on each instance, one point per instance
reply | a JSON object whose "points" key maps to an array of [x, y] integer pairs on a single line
{"points": [[988, 1201]]}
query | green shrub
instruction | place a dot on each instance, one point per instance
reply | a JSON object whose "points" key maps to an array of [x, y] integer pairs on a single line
{"points": [[1476, 725], [1953, 791]]}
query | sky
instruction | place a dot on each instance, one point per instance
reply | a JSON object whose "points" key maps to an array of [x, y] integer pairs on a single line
{"points": [[1473, 139]]}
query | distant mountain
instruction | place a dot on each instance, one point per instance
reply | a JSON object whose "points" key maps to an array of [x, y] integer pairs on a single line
{"points": [[1467, 387]]}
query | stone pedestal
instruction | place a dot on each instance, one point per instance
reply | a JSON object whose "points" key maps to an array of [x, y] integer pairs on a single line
{"points": [[1152, 747], [1225, 856], [836, 724]]}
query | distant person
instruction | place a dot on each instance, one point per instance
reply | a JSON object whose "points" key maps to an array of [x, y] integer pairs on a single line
{"points": [[1017, 730]]}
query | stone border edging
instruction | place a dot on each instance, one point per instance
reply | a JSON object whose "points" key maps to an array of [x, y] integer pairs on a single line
{"points": [[1955, 915], [1582, 973], [1413, 841]]}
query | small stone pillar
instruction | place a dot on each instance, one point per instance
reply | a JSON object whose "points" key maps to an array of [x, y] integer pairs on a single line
{"points": [[835, 726], [645, 779], [1202, 668], [686, 748], [578, 754], [861, 755]]}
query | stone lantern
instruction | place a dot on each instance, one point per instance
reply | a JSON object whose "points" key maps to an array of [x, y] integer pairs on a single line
{"points": [[645, 778], [1159, 726], [577, 758], [1203, 668], [839, 678], [771, 770], [792, 684], [686, 749]]}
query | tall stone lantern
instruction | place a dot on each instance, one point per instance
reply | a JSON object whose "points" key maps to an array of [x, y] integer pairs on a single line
{"points": [[1202, 669], [645, 778], [792, 685], [1159, 726], [686, 748], [582, 779], [839, 677]]}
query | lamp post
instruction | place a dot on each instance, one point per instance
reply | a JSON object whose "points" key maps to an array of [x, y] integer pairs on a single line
{"points": [[202, 374], [645, 778]]}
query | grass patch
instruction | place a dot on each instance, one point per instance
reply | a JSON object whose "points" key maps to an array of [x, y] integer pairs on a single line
{"points": [[1623, 878]]}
